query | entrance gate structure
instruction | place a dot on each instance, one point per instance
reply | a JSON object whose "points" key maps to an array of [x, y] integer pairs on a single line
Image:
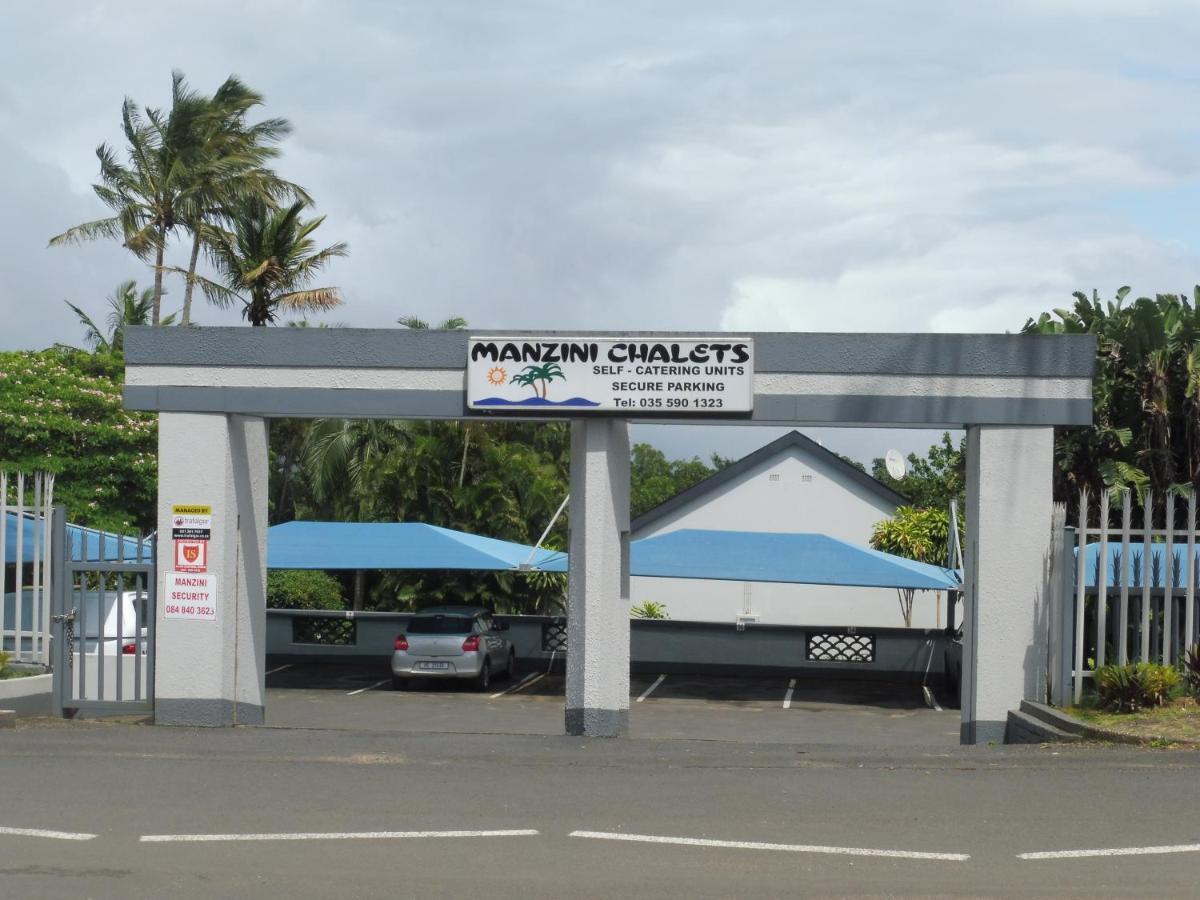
{"points": [[215, 388], [102, 607]]}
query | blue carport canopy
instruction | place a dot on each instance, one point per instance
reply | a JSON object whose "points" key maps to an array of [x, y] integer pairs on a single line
{"points": [[1134, 565], [85, 543], [390, 545], [772, 556]]}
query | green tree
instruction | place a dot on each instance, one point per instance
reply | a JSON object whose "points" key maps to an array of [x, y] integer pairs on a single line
{"points": [[934, 480], [1145, 395], [126, 306], [266, 260], [654, 479], [61, 411], [227, 163], [145, 194]]}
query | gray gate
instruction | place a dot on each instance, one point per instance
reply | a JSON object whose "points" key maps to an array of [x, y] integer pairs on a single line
{"points": [[103, 609]]}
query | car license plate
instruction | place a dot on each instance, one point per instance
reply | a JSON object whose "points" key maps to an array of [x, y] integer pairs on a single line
{"points": [[433, 665]]}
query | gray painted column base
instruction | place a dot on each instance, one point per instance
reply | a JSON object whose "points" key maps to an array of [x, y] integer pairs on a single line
{"points": [[206, 713], [982, 732], [597, 722]]}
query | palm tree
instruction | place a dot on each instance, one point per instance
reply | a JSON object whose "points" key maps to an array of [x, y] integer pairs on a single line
{"points": [[454, 323], [228, 165], [266, 259], [126, 307], [144, 195]]}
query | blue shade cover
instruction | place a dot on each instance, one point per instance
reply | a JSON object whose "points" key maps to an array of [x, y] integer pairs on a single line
{"points": [[390, 545], [85, 543], [1134, 566], [770, 556]]}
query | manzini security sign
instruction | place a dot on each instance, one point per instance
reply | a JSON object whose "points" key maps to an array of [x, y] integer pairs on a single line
{"points": [[573, 376]]}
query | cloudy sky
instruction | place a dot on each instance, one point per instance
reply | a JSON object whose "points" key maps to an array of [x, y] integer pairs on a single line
{"points": [[859, 166]]}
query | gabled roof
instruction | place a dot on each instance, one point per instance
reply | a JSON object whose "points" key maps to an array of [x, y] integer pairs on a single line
{"points": [[762, 454]]}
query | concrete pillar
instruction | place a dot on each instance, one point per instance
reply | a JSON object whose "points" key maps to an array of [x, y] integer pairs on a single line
{"points": [[598, 579], [1006, 608], [212, 672]]}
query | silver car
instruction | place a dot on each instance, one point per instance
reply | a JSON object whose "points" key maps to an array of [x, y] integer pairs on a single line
{"points": [[452, 642]]}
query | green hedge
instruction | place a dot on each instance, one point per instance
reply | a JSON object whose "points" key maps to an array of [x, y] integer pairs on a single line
{"points": [[303, 589]]}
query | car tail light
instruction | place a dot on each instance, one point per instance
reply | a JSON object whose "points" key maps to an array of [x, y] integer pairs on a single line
{"points": [[401, 642], [129, 649], [471, 643]]}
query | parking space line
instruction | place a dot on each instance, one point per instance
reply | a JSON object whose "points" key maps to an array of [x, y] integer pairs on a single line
{"points": [[757, 845], [650, 690], [369, 687], [1112, 851], [525, 682], [787, 698], [329, 836], [515, 687], [278, 669], [44, 833]]}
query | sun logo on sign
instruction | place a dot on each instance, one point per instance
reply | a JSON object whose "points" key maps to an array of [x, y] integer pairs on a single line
{"points": [[497, 376]]}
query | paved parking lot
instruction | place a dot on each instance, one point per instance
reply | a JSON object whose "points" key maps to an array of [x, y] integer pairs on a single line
{"points": [[770, 710]]}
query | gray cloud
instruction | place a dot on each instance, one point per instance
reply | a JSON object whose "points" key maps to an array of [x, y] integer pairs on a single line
{"points": [[691, 165]]}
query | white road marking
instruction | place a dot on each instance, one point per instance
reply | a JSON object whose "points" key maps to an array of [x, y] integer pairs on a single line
{"points": [[328, 836], [756, 845], [369, 687], [43, 833], [787, 698], [278, 669], [1112, 851], [515, 687], [525, 682], [650, 690]]}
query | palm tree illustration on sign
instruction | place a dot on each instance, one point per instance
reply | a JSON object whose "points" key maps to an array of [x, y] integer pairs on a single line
{"points": [[537, 379], [532, 376]]}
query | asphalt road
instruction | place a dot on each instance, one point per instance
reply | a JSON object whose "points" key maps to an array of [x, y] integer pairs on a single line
{"points": [[789, 819]]}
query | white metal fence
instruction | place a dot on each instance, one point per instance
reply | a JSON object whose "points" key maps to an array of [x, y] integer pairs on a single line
{"points": [[25, 511], [1134, 586]]}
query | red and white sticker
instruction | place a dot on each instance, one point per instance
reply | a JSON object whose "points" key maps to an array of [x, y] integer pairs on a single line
{"points": [[191, 556], [191, 595]]}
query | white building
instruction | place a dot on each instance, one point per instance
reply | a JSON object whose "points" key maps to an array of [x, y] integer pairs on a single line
{"points": [[793, 485]]}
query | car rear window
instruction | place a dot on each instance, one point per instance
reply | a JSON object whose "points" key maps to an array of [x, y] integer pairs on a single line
{"points": [[439, 625]]}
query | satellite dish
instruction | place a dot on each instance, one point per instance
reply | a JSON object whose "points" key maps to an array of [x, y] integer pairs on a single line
{"points": [[895, 464]]}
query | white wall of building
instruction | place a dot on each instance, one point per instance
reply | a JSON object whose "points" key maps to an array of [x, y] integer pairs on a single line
{"points": [[795, 490]]}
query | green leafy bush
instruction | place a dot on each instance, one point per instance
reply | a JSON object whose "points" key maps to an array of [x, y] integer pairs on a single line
{"points": [[920, 534], [303, 589], [1135, 686], [4, 658], [649, 610]]}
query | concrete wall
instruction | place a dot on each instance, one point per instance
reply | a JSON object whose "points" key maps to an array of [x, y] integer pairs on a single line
{"points": [[27, 696], [793, 491], [655, 646]]}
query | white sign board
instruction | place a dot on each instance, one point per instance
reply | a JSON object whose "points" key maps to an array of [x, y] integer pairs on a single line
{"points": [[574, 376], [191, 595]]}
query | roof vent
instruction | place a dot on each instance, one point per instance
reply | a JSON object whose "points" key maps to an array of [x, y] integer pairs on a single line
{"points": [[806, 478], [774, 476]]}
